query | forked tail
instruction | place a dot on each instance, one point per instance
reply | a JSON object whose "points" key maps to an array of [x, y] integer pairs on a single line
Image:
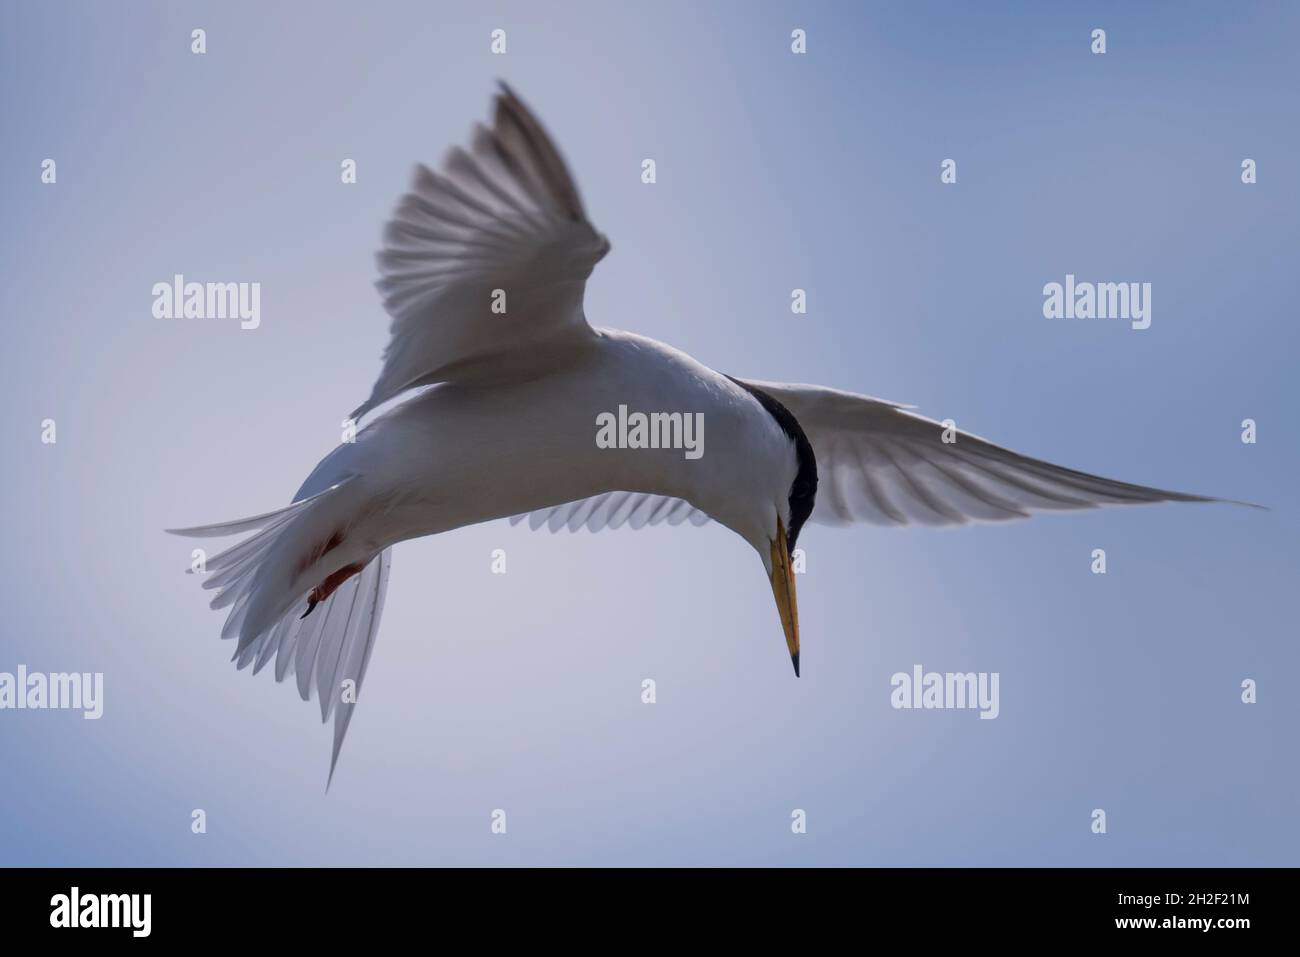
{"points": [[273, 577]]}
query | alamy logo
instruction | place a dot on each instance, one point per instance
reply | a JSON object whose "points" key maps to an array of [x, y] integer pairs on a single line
{"points": [[1101, 300], [933, 689], [179, 299], [653, 430], [103, 910], [36, 691]]}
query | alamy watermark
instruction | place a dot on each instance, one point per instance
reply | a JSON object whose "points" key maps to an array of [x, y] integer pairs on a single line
{"points": [[651, 430], [75, 909], [1129, 301], [179, 299], [36, 691], [946, 690]]}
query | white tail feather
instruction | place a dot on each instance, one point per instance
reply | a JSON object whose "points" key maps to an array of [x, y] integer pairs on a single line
{"points": [[259, 578]]}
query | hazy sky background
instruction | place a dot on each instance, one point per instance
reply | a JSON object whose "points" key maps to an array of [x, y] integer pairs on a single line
{"points": [[775, 171]]}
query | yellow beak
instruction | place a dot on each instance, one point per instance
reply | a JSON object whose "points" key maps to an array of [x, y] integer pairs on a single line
{"points": [[783, 592]]}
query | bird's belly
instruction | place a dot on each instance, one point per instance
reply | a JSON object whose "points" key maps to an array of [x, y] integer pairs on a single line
{"points": [[469, 455]]}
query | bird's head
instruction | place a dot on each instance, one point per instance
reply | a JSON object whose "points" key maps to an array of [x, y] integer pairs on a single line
{"points": [[775, 530]]}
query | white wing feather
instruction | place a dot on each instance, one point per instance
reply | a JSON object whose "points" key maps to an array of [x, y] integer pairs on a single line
{"points": [[879, 462], [614, 510], [501, 227]]}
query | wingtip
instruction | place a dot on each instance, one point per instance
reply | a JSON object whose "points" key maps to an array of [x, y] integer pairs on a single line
{"points": [[794, 660], [1231, 501], [504, 96], [189, 531], [193, 531], [1262, 508]]}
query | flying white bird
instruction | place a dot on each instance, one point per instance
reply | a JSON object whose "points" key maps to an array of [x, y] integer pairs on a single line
{"points": [[483, 270]]}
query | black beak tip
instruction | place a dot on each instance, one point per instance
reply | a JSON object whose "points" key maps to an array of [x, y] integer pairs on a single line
{"points": [[794, 659]]}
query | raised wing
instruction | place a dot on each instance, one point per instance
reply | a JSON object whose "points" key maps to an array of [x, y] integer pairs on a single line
{"points": [[613, 510], [484, 265], [881, 463]]}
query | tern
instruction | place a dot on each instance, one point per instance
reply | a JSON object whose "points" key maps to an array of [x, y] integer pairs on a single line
{"points": [[502, 382]]}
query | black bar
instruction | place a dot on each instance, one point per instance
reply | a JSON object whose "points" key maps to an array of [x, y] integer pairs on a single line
{"points": [[332, 906]]}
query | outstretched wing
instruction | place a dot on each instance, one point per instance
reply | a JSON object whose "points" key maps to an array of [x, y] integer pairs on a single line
{"points": [[881, 463], [484, 264]]}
